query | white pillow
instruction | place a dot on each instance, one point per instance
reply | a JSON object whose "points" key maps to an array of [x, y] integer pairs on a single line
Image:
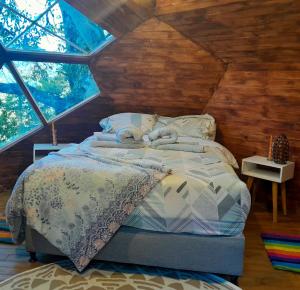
{"points": [[199, 126], [144, 122]]}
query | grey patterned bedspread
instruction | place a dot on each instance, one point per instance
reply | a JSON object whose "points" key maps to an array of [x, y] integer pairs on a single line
{"points": [[78, 199]]}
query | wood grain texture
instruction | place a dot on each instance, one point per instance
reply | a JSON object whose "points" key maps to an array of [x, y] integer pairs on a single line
{"points": [[117, 16], [254, 101], [155, 68], [175, 6], [259, 93], [242, 31]]}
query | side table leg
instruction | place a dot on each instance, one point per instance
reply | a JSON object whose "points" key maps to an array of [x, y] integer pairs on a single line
{"points": [[250, 182], [283, 198], [274, 198], [32, 258], [254, 191]]}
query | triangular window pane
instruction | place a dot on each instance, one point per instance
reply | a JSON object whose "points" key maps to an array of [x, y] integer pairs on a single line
{"points": [[68, 23], [11, 25], [30, 9], [38, 39], [17, 117], [53, 26], [58, 87]]}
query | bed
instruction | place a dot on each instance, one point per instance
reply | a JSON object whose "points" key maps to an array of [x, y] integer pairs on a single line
{"points": [[191, 219]]}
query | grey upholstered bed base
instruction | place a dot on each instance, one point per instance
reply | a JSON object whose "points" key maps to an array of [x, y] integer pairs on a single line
{"points": [[212, 254]]}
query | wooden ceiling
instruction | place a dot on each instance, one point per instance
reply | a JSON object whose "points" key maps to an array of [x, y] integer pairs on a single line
{"points": [[238, 31], [174, 6], [233, 30]]}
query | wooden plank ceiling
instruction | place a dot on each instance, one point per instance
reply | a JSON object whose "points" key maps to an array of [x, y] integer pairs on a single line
{"points": [[239, 31], [175, 6]]}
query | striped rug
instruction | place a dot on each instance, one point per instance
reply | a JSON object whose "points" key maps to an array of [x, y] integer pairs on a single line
{"points": [[283, 251], [5, 235]]}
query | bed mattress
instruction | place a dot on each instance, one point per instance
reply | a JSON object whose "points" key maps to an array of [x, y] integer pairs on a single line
{"points": [[212, 254], [203, 195]]}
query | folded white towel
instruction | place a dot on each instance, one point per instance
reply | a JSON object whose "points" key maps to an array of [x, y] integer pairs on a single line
{"points": [[163, 136], [196, 148], [112, 144], [100, 136], [129, 135]]}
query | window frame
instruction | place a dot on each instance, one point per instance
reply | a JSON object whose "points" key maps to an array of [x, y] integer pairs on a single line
{"points": [[7, 56], [32, 131]]}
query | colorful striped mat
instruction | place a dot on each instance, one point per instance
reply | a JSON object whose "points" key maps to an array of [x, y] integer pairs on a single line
{"points": [[283, 251], [5, 235]]}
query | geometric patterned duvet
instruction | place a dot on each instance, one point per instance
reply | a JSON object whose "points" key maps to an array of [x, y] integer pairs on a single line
{"points": [[203, 196]]}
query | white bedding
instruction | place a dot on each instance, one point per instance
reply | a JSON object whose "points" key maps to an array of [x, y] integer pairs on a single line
{"points": [[203, 195]]}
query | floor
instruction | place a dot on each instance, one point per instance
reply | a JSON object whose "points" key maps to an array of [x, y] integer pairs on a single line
{"points": [[258, 274]]}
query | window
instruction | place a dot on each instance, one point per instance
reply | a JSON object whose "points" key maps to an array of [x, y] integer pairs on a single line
{"points": [[17, 117], [11, 25], [48, 25], [29, 9], [68, 23], [37, 39], [45, 47], [57, 87]]}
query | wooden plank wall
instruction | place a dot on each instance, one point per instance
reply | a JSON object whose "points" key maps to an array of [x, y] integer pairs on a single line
{"points": [[238, 60], [252, 31], [156, 69], [259, 94]]}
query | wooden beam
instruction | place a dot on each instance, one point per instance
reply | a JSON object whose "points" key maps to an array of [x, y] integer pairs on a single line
{"points": [[15, 55], [27, 93], [3, 55]]}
